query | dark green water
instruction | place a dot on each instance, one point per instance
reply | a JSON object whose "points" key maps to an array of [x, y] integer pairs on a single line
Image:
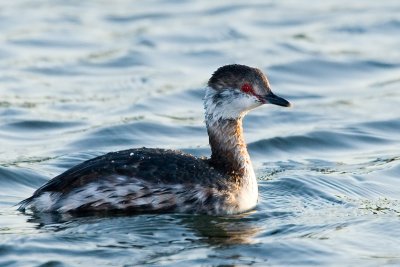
{"points": [[82, 78]]}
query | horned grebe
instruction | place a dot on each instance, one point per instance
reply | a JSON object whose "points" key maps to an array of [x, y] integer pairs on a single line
{"points": [[159, 180]]}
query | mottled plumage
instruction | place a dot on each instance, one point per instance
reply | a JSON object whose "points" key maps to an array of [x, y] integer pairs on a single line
{"points": [[157, 173]]}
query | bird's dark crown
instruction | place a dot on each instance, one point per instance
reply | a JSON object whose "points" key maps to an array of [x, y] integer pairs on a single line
{"points": [[235, 75]]}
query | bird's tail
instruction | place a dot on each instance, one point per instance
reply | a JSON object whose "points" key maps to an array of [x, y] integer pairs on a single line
{"points": [[24, 204]]}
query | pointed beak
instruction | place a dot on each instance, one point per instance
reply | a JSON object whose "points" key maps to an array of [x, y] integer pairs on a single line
{"points": [[276, 100]]}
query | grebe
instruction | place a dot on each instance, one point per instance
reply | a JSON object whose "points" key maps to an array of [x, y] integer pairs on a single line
{"points": [[159, 180]]}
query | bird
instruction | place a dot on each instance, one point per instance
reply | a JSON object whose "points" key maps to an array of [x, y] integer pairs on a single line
{"points": [[154, 180]]}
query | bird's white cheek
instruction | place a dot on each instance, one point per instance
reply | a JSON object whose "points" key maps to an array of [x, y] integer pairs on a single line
{"points": [[239, 106], [247, 103], [229, 104]]}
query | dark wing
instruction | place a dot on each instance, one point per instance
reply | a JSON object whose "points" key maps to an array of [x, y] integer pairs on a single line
{"points": [[152, 165]]}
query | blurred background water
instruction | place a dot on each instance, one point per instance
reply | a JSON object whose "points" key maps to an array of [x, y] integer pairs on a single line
{"points": [[82, 78]]}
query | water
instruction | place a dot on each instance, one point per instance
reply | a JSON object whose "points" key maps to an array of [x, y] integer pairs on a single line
{"points": [[81, 78]]}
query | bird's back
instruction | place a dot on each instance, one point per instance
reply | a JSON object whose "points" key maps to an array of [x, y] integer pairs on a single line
{"points": [[138, 179]]}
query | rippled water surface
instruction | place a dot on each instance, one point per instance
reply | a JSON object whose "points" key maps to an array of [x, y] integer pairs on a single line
{"points": [[81, 78]]}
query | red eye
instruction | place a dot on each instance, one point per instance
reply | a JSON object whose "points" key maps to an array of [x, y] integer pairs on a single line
{"points": [[247, 88]]}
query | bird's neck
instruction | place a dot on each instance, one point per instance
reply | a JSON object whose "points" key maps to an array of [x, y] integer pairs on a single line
{"points": [[228, 147], [224, 126]]}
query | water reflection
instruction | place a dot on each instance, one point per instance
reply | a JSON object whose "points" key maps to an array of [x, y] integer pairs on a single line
{"points": [[229, 230]]}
